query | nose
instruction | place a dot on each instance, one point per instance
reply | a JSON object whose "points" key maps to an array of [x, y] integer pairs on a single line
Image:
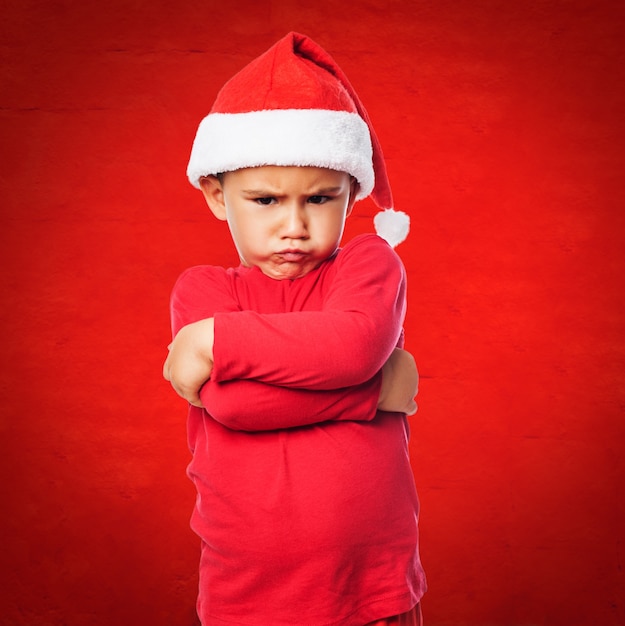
{"points": [[295, 222]]}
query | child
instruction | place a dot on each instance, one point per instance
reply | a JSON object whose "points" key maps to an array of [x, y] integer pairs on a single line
{"points": [[306, 504]]}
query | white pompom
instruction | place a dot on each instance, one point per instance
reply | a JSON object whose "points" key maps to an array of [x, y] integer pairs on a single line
{"points": [[391, 225]]}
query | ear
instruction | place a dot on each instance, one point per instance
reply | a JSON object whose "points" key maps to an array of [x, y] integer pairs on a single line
{"points": [[354, 187], [213, 193]]}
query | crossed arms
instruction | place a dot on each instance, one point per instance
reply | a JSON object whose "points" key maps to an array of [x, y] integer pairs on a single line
{"points": [[337, 363]]}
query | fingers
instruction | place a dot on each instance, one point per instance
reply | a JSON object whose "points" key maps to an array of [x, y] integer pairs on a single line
{"points": [[188, 394], [412, 408]]}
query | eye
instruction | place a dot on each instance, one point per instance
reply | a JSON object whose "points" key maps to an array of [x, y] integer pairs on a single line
{"points": [[318, 199], [265, 201]]}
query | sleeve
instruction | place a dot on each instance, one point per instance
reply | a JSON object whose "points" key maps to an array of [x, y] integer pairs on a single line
{"points": [[202, 292], [253, 406], [342, 345]]}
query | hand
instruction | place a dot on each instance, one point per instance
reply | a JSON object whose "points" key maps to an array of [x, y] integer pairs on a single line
{"points": [[189, 363], [400, 383]]}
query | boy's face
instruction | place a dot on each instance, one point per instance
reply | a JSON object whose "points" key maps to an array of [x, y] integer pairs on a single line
{"points": [[283, 220]]}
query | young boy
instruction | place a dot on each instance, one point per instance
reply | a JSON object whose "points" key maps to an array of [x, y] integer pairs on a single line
{"points": [[292, 362]]}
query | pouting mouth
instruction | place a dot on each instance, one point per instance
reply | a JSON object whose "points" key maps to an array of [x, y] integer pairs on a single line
{"points": [[292, 254]]}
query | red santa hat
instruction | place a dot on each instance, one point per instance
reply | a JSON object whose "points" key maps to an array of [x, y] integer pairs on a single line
{"points": [[293, 105]]}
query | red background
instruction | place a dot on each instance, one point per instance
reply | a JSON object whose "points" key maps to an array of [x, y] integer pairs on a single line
{"points": [[503, 127]]}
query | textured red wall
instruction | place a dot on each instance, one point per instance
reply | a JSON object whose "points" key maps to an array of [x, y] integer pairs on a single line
{"points": [[503, 127]]}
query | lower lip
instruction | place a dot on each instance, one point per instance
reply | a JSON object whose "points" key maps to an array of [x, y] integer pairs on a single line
{"points": [[292, 257]]}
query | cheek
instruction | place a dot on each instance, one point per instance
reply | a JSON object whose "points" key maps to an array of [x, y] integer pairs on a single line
{"points": [[333, 225], [248, 231]]}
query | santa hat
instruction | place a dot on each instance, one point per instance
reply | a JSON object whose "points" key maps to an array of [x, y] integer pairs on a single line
{"points": [[294, 106]]}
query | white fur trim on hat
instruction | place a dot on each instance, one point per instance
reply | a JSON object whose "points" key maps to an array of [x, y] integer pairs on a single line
{"points": [[338, 140]]}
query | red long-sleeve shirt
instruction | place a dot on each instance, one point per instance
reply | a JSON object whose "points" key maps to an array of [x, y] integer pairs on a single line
{"points": [[306, 502]]}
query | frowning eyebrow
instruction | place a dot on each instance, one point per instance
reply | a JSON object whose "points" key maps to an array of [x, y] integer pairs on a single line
{"points": [[326, 190], [315, 192]]}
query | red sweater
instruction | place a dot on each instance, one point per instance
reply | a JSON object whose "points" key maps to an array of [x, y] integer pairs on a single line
{"points": [[306, 502]]}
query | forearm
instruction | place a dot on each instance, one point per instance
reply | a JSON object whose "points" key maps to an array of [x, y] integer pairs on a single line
{"points": [[302, 350], [254, 406], [250, 405]]}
